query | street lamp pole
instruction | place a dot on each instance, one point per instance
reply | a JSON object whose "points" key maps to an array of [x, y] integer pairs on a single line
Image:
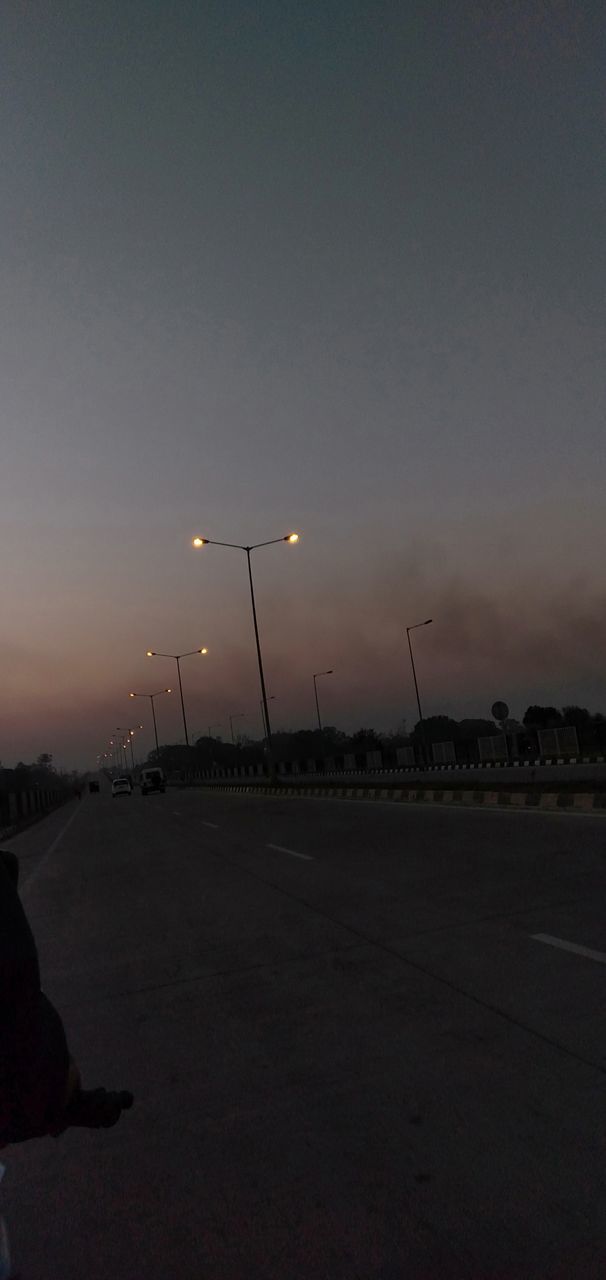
{"points": [[151, 653], [151, 697], [238, 715], [319, 673], [271, 698], [289, 537], [414, 676]]}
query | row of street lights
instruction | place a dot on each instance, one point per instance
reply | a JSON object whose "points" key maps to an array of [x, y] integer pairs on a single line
{"points": [[291, 538]]}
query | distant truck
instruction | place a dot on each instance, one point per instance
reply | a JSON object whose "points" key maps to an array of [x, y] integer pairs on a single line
{"points": [[152, 780]]}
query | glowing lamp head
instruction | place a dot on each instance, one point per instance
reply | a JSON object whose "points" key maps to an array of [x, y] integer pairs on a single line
{"points": [[199, 542], [202, 650], [150, 653], [292, 537], [132, 695]]}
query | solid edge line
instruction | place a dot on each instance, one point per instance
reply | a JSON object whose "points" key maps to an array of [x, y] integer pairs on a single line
{"points": [[51, 849]]}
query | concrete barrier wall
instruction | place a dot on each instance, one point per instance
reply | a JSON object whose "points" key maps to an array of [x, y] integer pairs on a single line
{"points": [[21, 807], [562, 801]]}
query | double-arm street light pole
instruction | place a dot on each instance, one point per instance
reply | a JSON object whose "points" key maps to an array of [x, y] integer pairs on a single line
{"points": [[317, 674], [151, 653], [151, 697], [288, 537], [414, 676]]}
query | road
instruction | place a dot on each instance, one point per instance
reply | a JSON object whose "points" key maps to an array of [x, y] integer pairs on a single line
{"points": [[352, 1056]]}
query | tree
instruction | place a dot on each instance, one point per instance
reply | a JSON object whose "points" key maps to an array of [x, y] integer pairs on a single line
{"points": [[365, 740], [580, 717], [435, 729], [469, 730], [536, 717]]}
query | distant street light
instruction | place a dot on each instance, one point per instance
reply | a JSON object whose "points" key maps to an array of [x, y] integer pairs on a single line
{"points": [[317, 675], [238, 715], [131, 733], [151, 653], [151, 697], [414, 675], [289, 537], [123, 759]]}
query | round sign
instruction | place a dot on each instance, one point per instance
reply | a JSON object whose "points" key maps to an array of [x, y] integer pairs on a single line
{"points": [[499, 710]]}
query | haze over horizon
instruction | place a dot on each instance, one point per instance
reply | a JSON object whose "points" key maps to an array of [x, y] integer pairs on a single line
{"points": [[337, 269]]}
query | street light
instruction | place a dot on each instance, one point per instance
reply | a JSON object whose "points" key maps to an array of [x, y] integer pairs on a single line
{"points": [[122, 757], [151, 653], [319, 673], [414, 674], [121, 729], [288, 537], [238, 715], [151, 697], [131, 733]]}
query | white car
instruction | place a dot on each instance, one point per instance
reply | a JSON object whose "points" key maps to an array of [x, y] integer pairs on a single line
{"points": [[121, 787]]}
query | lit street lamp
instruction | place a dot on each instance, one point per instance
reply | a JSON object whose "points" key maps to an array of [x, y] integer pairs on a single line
{"points": [[238, 715], [151, 653], [414, 674], [151, 697], [319, 673], [131, 734], [289, 537], [121, 753]]}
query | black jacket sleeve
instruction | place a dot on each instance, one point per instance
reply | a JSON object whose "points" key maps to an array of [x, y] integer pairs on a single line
{"points": [[34, 1057]]}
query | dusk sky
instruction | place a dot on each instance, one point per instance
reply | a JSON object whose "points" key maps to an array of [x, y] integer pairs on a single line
{"points": [[330, 267]]}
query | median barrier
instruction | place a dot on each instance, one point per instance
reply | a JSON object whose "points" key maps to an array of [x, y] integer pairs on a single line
{"points": [[562, 801]]}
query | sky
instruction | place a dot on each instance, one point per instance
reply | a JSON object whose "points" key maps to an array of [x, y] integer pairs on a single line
{"points": [[331, 267]]}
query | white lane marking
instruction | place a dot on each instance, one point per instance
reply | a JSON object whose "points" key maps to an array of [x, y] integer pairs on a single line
{"points": [[280, 849], [600, 956], [215, 825], [50, 850]]}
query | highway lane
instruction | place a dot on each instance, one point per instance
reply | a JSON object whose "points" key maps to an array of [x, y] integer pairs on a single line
{"points": [[352, 1053]]}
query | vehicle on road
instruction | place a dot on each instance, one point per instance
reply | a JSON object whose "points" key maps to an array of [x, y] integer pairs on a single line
{"points": [[93, 786], [121, 787], [152, 780]]}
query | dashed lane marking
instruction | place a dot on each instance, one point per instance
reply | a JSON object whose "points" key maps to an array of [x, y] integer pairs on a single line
{"points": [[293, 853], [600, 956]]}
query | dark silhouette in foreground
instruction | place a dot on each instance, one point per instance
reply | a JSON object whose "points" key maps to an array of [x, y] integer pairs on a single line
{"points": [[40, 1086]]}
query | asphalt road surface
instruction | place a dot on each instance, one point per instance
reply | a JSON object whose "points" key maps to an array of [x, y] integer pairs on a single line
{"points": [[360, 1043]]}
